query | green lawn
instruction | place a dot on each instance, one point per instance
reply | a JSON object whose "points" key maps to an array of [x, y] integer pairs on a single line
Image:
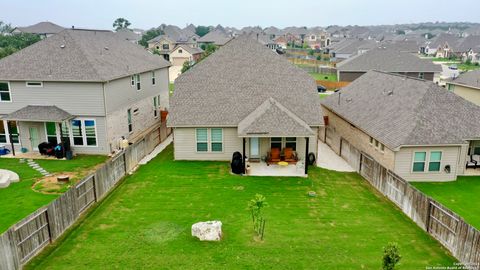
{"points": [[171, 87], [461, 196], [19, 200], [145, 223], [324, 77], [323, 96]]}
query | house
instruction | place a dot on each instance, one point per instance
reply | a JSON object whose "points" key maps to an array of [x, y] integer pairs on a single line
{"points": [[245, 98], [412, 127], [350, 47], [281, 41], [469, 49], [441, 46], [87, 88], [129, 35], [266, 40], [43, 29], [318, 38], [467, 85], [273, 32], [181, 54], [387, 60], [217, 37], [173, 36]]}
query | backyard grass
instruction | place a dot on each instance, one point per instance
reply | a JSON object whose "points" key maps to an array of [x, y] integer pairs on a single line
{"points": [[324, 77], [145, 223], [323, 96], [461, 196], [171, 88], [19, 199]]}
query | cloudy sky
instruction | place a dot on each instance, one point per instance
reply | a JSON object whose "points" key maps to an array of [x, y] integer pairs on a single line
{"points": [[281, 13]]}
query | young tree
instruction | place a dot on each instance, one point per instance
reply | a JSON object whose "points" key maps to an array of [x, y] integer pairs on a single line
{"points": [[5, 28], [202, 30], [12, 43], [121, 23], [391, 256], [149, 35], [186, 66]]}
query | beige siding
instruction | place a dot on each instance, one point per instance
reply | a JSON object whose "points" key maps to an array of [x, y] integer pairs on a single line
{"points": [[470, 94], [450, 156], [338, 128], [73, 97], [185, 145]]}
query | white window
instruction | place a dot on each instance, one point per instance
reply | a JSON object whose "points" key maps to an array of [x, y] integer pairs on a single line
{"points": [[419, 159], [276, 142], [137, 81], [156, 101], [51, 131], [435, 161], [216, 139], [7, 128], [371, 140], [129, 120], [133, 80], [34, 84], [5, 95], [201, 135], [421, 75], [84, 132], [153, 77], [291, 142], [180, 51]]}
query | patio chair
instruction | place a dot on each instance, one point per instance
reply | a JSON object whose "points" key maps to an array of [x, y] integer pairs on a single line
{"points": [[475, 158], [290, 155], [274, 155]]}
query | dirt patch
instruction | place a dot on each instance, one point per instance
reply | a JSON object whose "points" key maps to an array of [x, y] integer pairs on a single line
{"points": [[50, 184]]}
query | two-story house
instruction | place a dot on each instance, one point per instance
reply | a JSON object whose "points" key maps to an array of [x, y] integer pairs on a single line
{"points": [[85, 87]]}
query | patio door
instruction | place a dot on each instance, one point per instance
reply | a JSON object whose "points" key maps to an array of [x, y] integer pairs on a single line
{"points": [[34, 138], [254, 148]]}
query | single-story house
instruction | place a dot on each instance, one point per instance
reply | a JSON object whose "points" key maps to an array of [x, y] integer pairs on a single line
{"points": [[466, 85], [43, 29], [413, 127], [387, 60], [245, 98], [85, 88]]}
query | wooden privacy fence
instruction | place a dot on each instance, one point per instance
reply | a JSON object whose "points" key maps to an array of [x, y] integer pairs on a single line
{"points": [[459, 237], [332, 85], [312, 62], [24, 240]]}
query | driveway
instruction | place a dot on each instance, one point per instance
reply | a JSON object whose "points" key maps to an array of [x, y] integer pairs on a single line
{"points": [[328, 159]]}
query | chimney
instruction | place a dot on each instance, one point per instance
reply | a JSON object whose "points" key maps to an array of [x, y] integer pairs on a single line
{"points": [[73, 27]]}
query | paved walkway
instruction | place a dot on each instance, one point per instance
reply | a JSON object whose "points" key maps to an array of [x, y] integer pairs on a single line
{"points": [[157, 150], [328, 159]]}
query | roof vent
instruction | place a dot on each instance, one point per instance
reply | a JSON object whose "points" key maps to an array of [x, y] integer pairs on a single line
{"points": [[106, 48], [62, 46]]}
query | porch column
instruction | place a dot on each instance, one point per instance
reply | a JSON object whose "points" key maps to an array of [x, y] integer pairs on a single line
{"points": [[243, 157], [306, 154], [10, 136]]}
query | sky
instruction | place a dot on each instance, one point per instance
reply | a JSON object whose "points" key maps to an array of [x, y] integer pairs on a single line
{"points": [[100, 14]]}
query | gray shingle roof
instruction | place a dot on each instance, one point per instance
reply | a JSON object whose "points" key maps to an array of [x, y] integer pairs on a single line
{"points": [[216, 36], [41, 28], [188, 49], [272, 119], [39, 114], [129, 35], [388, 60], [471, 78], [231, 83], [79, 55], [398, 111]]}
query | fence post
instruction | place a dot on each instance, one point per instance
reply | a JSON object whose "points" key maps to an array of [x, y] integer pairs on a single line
{"points": [[427, 220]]}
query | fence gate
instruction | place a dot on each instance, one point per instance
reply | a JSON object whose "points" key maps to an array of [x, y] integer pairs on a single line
{"points": [[85, 193], [118, 168], [442, 225], [31, 235]]}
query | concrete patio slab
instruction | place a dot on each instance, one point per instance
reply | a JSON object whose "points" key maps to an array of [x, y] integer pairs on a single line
{"points": [[328, 159]]}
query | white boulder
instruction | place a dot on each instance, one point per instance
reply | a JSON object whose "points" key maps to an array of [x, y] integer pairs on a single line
{"points": [[7, 177], [208, 231]]}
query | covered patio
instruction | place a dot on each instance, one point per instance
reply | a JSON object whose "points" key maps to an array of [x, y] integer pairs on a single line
{"points": [[275, 141], [36, 125]]}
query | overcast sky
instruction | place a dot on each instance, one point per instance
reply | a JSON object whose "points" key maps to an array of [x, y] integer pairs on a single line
{"points": [[149, 13]]}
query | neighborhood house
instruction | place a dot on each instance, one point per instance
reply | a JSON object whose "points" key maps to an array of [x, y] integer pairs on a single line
{"points": [[245, 98], [87, 88], [413, 127]]}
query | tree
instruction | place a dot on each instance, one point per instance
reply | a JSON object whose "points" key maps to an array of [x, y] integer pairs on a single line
{"points": [[400, 32], [5, 28], [12, 43], [202, 30], [391, 256], [186, 66], [121, 23], [154, 32]]}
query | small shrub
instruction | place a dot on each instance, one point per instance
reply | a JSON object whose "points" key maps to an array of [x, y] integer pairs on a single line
{"points": [[255, 206], [391, 256]]}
